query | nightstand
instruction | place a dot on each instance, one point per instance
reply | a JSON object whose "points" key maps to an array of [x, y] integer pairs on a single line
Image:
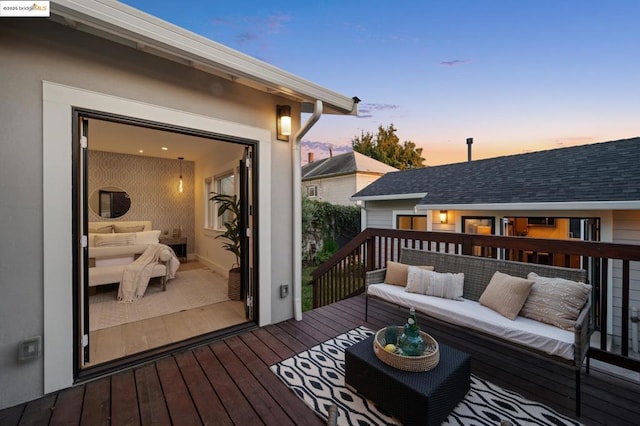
{"points": [[178, 244]]}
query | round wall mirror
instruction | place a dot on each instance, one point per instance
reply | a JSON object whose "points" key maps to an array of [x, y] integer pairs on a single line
{"points": [[109, 202]]}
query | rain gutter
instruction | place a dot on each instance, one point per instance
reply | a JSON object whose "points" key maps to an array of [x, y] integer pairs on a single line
{"points": [[297, 209]]}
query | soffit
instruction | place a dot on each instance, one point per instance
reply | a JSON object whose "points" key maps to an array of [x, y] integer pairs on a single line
{"points": [[126, 25]]}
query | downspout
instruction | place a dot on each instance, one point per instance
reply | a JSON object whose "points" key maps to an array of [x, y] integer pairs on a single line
{"points": [[297, 210]]}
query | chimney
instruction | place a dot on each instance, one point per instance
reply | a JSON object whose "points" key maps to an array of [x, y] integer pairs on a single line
{"points": [[310, 157], [330, 151], [469, 143]]}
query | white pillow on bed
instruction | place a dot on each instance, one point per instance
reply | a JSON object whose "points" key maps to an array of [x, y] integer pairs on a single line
{"points": [[148, 237]]}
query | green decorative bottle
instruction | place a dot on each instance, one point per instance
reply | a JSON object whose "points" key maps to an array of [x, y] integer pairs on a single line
{"points": [[410, 342]]}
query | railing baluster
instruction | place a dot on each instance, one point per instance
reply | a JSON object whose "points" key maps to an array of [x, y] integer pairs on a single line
{"points": [[625, 309], [604, 297]]}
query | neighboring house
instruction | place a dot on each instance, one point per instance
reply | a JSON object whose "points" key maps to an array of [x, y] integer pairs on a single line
{"points": [[102, 74], [590, 192], [336, 178]]}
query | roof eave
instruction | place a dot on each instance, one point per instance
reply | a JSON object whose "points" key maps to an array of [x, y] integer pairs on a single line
{"points": [[569, 205], [389, 197], [124, 24]]}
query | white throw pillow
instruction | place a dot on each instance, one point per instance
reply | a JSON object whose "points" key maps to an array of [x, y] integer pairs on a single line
{"points": [[148, 237], [446, 285]]}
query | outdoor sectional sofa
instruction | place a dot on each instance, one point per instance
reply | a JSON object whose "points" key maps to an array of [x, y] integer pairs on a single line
{"points": [[566, 347]]}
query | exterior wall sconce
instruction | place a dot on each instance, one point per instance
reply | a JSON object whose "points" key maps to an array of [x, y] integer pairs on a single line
{"points": [[283, 122], [180, 186], [444, 216]]}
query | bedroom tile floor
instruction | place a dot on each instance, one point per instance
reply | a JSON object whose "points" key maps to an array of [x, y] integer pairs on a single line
{"points": [[228, 381]]}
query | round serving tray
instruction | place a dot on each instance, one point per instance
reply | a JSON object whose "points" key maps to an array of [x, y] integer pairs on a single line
{"points": [[424, 362]]}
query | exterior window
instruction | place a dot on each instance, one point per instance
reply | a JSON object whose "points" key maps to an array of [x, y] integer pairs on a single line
{"points": [[222, 184], [411, 222], [312, 191], [483, 226]]}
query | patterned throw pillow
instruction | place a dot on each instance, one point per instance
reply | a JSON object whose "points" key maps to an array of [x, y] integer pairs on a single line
{"points": [[397, 273], [555, 301], [506, 294], [127, 228], [103, 240], [446, 285], [100, 229]]}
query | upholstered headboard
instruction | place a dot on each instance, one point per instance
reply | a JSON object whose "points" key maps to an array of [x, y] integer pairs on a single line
{"points": [[122, 225]]}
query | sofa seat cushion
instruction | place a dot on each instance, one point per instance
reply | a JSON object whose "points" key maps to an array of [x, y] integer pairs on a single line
{"points": [[113, 274], [466, 313]]}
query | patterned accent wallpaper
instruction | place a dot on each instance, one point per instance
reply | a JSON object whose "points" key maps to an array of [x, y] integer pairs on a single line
{"points": [[152, 184]]}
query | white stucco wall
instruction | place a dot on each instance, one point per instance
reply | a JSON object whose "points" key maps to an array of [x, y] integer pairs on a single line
{"points": [[35, 146]]}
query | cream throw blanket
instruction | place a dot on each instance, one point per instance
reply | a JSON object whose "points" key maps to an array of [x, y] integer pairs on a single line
{"points": [[136, 275]]}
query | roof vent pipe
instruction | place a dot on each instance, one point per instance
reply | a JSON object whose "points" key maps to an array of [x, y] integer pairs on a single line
{"points": [[469, 143]]}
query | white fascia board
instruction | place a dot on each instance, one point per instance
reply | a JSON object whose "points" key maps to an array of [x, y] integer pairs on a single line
{"points": [[418, 195], [147, 31], [577, 205]]}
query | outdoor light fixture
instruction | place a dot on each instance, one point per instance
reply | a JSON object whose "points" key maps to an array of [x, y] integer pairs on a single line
{"points": [[283, 122], [180, 188], [444, 216]]}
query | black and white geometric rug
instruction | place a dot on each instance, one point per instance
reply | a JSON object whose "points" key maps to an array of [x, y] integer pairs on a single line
{"points": [[317, 377]]}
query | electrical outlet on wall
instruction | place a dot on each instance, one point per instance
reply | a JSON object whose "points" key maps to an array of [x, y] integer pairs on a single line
{"points": [[30, 349], [284, 290]]}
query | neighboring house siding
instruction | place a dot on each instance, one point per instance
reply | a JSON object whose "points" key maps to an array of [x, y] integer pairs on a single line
{"points": [[334, 190], [380, 213], [364, 179], [626, 230]]}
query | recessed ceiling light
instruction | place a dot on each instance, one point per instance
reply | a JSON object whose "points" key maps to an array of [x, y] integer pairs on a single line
{"points": [[141, 151], [164, 148]]}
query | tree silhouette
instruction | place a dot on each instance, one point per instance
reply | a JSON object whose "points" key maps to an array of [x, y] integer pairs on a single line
{"points": [[385, 147]]}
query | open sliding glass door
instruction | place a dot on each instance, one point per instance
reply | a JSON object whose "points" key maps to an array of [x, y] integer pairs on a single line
{"points": [[80, 239], [247, 227]]}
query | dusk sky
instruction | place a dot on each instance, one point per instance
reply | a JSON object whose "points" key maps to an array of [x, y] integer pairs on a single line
{"points": [[517, 76]]}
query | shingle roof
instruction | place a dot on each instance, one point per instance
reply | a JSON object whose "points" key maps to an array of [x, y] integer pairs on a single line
{"points": [[607, 171], [350, 162]]}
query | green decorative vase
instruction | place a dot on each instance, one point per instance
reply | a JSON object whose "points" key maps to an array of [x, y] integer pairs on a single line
{"points": [[410, 342]]}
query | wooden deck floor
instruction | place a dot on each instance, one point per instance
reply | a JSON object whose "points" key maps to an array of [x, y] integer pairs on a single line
{"points": [[229, 382]]}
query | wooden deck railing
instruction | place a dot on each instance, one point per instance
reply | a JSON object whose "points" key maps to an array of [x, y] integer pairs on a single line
{"points": [[342, 275]]}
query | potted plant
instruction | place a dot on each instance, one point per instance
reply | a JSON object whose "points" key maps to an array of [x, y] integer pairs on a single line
{"points": [[232, 235]]}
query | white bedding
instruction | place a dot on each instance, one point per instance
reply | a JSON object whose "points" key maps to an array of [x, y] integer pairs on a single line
{"points": [[544, 337]]}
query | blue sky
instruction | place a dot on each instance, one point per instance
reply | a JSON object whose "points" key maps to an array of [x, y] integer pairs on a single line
{"points": [[517, 76]]}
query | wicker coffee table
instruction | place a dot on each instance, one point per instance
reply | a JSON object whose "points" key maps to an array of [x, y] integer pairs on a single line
{"points": [[414, 398]]}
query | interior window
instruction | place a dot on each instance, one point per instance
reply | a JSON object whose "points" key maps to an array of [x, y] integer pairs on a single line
{"points": [[222, 184]]}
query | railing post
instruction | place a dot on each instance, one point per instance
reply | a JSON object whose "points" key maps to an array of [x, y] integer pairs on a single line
{"points": [[371, 254]]}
